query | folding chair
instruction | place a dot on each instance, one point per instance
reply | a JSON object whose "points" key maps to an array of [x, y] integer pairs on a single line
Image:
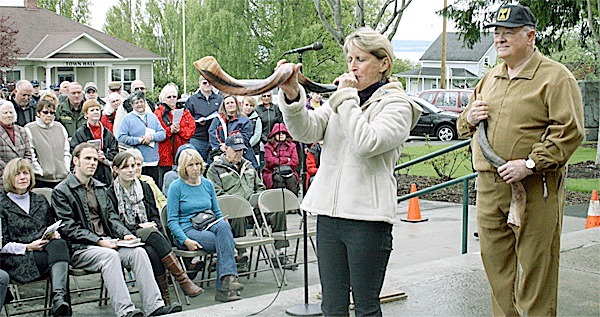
{"points": [[181, 254], [18, 301], [234, 207], [283, 200], [47, 192]]}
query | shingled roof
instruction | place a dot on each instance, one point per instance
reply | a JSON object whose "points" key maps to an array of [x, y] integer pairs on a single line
{"points": [[455, 50], [55, 31]]}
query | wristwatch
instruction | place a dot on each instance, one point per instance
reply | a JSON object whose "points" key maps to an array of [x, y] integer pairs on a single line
{"points": [[530, 164]]}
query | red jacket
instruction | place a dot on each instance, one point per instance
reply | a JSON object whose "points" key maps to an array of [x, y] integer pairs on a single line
{"points": [[278, 154], [168, 148], [108, 121]]}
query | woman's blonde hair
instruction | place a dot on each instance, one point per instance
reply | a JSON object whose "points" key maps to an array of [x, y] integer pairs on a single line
{"points": [[373, 42], [50, 96], [250, 100], [167, 88], [186, 158], [238, 109], [14, 167]]}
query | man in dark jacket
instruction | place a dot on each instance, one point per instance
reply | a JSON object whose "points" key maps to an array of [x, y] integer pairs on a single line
{"points": [[21, 98], [202, 104], [269, 114], [68, 112], [89, 225]]}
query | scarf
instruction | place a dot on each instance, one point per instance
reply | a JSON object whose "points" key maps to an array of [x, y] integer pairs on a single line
{"points": [[10, 130], [131, 202]]}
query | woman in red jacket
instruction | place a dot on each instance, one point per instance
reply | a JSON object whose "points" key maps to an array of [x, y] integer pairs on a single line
{"points": [[281, 160], [179, 128]]}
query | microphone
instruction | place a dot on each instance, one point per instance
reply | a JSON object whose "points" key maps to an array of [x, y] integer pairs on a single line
{"points": [[312, 47]]}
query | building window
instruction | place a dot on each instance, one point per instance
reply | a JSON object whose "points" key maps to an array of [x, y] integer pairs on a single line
{"points": [[125, 76], [13, 76], [433, 85]]}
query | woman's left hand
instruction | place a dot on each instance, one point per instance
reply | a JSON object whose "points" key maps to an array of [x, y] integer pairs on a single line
{"points": [[129, 237], [56, 236], [346, 80]]}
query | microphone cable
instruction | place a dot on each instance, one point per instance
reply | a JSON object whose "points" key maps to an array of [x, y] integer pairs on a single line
{"points": [[281, 265]]}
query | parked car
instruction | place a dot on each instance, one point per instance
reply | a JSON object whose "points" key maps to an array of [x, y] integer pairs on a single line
{"points": [[435, 122], [455, 100]]}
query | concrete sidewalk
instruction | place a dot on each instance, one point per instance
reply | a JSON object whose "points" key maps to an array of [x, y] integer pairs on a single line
{"points": [[426, 263]]}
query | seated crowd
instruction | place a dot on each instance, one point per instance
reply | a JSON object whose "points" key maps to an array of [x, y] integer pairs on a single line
{"points": [[113, 167]]}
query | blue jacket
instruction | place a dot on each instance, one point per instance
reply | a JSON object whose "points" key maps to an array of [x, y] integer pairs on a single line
{"points": [[133, 127]]}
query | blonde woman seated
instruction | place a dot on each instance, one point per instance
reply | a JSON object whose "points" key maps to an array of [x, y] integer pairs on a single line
{"points": [[188, 196], [134, 201]]}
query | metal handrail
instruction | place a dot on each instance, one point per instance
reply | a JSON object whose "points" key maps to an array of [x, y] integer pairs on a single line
{"points": [[464, 179]]}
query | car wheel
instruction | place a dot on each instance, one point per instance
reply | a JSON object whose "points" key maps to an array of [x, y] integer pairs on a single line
{"points": [[445, 133]]}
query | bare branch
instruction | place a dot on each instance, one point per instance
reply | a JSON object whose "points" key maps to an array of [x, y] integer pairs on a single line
{"points": [[336, 35], [382, 12], [593, 25], [360, 17]]}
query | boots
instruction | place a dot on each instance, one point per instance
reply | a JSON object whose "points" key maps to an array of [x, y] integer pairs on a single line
{"points": [[186, 284], [59, 275], [163, 285], [230, 282]]}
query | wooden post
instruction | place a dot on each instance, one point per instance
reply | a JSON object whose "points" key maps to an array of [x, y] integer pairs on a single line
{"points": [[443, 67]]}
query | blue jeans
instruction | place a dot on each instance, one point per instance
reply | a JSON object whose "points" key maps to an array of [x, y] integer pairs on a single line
{"points": [[353, 255], [202, 146], [219, 239]]}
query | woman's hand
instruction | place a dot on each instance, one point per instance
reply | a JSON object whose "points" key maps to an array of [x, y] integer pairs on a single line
{"points": [[290, 87], [56, 236], [175, 128], [346, 80], [146, 139], [150, 224], [192, 245], [37, 245]]}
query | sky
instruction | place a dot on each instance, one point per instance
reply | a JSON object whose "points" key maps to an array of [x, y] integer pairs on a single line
{"points": [[419, 22]]}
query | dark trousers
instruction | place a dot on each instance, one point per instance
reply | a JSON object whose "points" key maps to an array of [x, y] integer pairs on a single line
{"points": [[54, 251], [353, 255], [151, 171], [162, 170], [157, 247]]}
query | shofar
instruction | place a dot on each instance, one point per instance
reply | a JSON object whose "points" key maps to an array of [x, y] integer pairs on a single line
{"points": [[519, 197], [209, 68]]}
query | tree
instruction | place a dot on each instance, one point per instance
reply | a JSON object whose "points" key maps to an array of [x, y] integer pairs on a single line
{"points": [[8, 45], [555, 19], [79, 12], [381, 15]]}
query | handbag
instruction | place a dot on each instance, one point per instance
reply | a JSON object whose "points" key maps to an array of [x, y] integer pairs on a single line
{"points": [[285, 171], [203, 219]]}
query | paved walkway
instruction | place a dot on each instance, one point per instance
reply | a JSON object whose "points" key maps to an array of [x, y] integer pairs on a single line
{"points": [[426, 264]]}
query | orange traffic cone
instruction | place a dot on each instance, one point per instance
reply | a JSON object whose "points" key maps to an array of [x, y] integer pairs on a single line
{"points": [[593, 217], [414, 211]]}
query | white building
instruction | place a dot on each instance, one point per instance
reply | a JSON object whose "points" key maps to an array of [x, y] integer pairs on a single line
{"points": [[54, 48]]}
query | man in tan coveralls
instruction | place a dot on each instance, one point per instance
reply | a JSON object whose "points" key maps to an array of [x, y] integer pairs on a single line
{"points": [[534, 112]]}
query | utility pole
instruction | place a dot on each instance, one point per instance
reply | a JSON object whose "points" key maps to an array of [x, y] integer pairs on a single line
{"points": [[443, 67], [184, 55]]}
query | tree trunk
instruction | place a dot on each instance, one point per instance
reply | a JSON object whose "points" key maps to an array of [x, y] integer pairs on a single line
{"points": [[598, 146]]}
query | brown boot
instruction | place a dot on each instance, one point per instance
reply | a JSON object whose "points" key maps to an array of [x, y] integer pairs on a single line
{"points": [[171, 263], [163, 285]]}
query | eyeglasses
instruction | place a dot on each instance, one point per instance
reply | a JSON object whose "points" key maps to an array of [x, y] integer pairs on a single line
{"points": [[266, 96], [139, 88], [48, 112], [204, 83], [171, 97]]}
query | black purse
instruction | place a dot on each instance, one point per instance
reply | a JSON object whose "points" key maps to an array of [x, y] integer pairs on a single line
{"points": [[285, 171], [203, 219]]}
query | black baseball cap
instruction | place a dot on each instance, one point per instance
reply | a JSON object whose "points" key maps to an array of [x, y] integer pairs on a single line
{"points": [[235, 142], [35, 83], [513, 16]]}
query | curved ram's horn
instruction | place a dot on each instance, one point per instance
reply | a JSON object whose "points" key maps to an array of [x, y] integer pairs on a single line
{"points": [[209, 68]]}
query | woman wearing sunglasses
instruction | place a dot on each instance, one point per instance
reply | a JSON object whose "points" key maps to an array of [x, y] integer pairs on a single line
{"points": [[50, 149], [179, 128]]}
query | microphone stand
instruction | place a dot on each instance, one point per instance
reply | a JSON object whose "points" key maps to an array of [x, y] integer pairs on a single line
{"points": [[305, 309]]}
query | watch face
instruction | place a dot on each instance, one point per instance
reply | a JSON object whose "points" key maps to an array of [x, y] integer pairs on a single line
{"points": [[530, 163]]}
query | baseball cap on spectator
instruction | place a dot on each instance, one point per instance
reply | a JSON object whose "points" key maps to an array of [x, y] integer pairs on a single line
{"points": [[235, 142], [90, 85], [35, 83], [512, 16], [114, 85], [55, 87], [3, 87]]}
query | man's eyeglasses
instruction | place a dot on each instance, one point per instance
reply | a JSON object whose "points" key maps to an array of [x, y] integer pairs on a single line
{"points": [[204, 83], [48, 112], [139, 88], [266, 96], [171, 97]]}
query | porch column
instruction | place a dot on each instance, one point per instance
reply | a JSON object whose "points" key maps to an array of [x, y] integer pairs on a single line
{"points": [[48, 76]]}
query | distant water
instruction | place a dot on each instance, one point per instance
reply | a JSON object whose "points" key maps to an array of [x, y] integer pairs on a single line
{"points": [[410, 49]]}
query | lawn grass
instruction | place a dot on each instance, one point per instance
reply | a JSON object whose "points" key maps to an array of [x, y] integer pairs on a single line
{"points": [[464, 168]]}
